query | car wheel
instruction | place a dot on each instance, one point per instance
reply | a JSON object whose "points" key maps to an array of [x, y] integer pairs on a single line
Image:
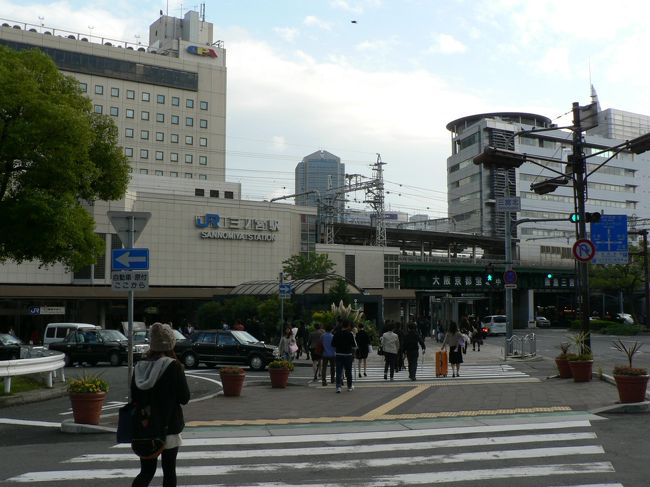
{"points": [[114, 359], [190, 360], [256, 363]]}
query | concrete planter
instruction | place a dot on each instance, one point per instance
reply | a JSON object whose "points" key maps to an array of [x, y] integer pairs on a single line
{"points": [[279, 377], [232, 383], [581, 370], [631, 388], [563, 368], [87, 406]]}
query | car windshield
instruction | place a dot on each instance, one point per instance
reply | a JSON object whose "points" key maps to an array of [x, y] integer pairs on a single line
{"points": [[244, 337], [179, 336], [112, 336], [7, 339]]}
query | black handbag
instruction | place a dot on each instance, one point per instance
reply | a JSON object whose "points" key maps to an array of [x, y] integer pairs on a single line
{"points": [[380, 351], [125, 423]]}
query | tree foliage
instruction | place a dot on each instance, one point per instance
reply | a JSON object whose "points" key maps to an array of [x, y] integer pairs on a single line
{"points": [[339, 292], [616, 277], [301, 266], [56, 155]]}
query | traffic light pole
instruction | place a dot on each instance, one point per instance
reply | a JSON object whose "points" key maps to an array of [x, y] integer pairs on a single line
{"points": [[578, 161], [509, 310]]}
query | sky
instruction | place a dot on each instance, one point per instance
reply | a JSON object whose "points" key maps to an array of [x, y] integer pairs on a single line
{"points": [[365, 77]]}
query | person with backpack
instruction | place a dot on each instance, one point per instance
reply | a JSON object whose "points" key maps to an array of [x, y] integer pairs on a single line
{"points": [[158, 390]]}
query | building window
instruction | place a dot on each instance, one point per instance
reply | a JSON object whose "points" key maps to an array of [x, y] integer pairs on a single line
{"points": [[144, 134], [228, 195], [130, 94], [173, 174], [176, 101], [115, 111], [199, 192], [203, 160], [214, 193], [203, 177], [350, 268], [203, 105], [99, 90], [173, 156], [160, 99], [189, 121], [130, 113], [99, 109], [188, 175], [144, 154], [128, 151], [160, 117], [203, 142], [144, 171], [128, 132], [159, 172], [188, 158], [173, 138], [203, 123], [175, 119], [145, 96], [115, 92], [160, 155], [144, 115], [83, 87], [189, 103], [189, 140], [160, 136]]}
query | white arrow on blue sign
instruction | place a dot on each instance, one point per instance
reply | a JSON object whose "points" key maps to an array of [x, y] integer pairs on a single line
{"points": [[130, 259]]}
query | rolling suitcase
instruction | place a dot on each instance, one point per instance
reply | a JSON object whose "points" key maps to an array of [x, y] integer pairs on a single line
{"points": [[441, 363]]}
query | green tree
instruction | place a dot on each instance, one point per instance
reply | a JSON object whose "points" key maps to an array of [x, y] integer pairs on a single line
{"points": [[619, 277], [301, 266], [209, 315], [339, 292], [56, 155]]}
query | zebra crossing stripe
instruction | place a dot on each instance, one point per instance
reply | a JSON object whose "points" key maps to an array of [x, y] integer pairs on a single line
{"points": [[348, 450], [378, 435]]}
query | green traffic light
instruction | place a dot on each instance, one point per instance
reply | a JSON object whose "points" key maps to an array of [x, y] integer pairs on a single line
{"points": [[549, 276], [489, 277], [575, 217]]}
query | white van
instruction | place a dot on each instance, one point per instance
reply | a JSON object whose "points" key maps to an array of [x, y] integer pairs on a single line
{"points": [[56, 332], [495, 324]]}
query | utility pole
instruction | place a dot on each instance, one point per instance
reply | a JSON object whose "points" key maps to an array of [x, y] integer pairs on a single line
{"points": [[578, 162]]}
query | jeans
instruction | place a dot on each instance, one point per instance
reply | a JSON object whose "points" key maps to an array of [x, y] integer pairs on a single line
{"points": [[323, 370], [391, 362], [343, 362]]}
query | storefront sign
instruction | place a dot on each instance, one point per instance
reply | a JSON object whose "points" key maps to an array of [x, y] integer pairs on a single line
{"points": [[236, 228]]}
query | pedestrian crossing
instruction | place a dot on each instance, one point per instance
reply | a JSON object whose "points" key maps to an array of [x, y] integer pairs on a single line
{"points": [[555, 451], [428, 373]]}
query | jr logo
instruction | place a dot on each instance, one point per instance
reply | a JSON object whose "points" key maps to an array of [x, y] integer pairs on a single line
{"points": [[209, 220]]}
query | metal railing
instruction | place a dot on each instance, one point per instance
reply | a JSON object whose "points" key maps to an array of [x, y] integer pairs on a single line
{"points": [[50, 362], [521, 346]]}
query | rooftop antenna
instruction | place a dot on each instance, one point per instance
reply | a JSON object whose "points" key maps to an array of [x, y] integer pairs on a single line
{"points": [[203, 12]]}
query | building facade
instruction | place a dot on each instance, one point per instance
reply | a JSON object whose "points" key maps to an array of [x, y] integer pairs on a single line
{"points": [[323, 173]]}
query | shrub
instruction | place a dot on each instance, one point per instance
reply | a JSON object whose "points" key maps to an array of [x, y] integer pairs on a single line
{"points": [[280, 364], [231, 370], [87, 383], [622, 329]]}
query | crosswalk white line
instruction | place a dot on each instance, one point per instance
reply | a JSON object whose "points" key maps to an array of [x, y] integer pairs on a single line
{"points": [[378, 435], [428, 373], [348, 450]]}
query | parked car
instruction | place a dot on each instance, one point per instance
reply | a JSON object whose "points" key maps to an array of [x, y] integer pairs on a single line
{"points": [[625, 318], [495, 324], [542, 322], [56, 332], [10, 347], [97, 345], [225, 347]]}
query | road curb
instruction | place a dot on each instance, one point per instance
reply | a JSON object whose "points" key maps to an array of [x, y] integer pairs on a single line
{"points": [[58, 390]]}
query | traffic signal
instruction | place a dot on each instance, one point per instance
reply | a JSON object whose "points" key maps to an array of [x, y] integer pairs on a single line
{"points": [[489, 273], [549, 275], [574, 218], [589, 217]]}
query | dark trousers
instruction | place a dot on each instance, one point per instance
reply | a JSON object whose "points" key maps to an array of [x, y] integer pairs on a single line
{"points": [[390, 363], [412, 357], [343, 362], [323, 370], [148, 469]]}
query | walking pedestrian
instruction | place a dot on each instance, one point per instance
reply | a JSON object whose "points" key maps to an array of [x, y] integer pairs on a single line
{"points": [[329, 355], [287, 345], [345, 345], [390, 346], [161, 378], [454, 339], [316, 349], [477, 335], [412, 343], [363, 347]]}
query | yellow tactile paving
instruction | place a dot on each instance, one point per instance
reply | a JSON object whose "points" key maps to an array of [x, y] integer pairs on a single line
{"points": [[398, 401]]}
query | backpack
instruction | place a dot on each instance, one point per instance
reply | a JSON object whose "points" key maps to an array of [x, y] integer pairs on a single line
{"points": [[149, 426]]}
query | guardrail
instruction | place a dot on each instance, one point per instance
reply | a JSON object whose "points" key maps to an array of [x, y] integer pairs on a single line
{"points": [[49, 363], [518, 346]]}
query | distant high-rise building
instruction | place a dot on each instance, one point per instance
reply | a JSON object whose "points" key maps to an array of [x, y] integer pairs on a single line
{"points": [[322, 172]]}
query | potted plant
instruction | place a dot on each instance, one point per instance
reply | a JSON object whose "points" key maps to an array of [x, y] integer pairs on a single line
{"points": [[631, 382], [232, 380], [87, 394], [562, 361], [581, 363], [279, 371]]}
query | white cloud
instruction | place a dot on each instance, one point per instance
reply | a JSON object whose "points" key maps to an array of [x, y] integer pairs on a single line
{"points": [[555, 61], [447, 44], [289, 34], [346, 6], [278, 143], [312, 21]]}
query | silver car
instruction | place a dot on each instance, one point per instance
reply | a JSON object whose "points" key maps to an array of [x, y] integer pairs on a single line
{"points": [[542, 322]]}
